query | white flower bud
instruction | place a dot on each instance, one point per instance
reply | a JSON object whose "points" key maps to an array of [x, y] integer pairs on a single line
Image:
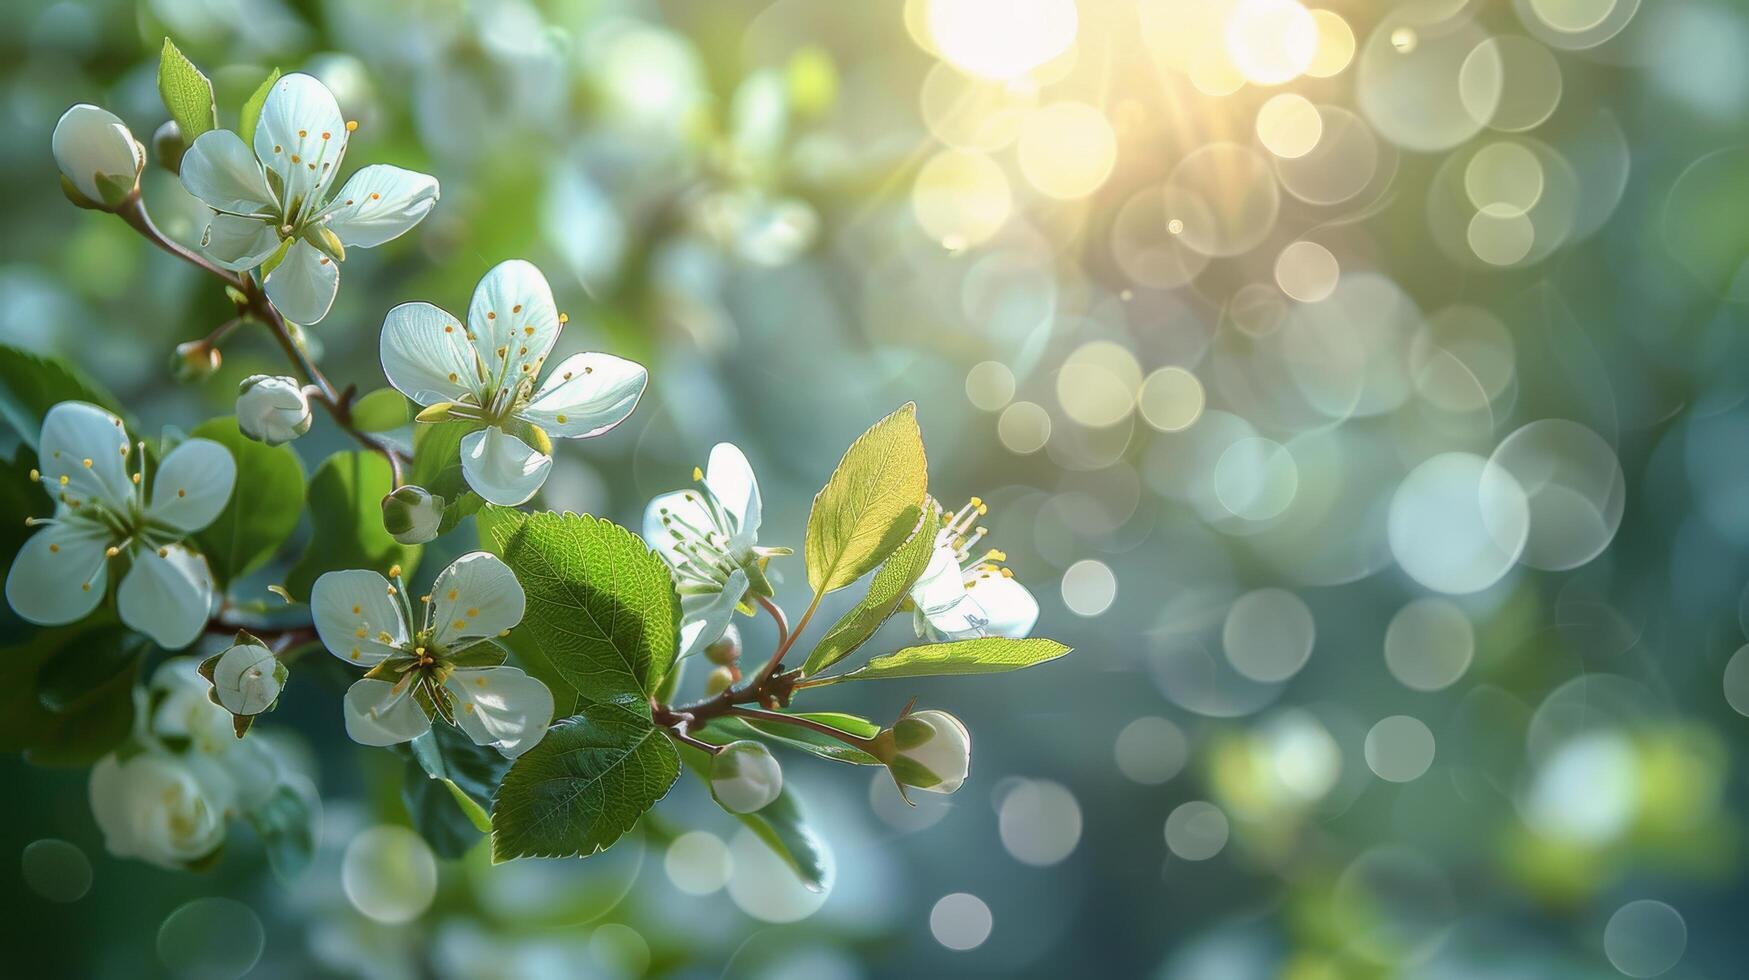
{"points": [[718, 681], [930, 750], [272, 408], [412, 514], [745, 777], [159, 807], [247, 679], [97, 154]]}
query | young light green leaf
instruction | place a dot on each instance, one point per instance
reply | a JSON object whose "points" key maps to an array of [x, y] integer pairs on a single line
{"points": [[437, 461], [264, 506], [31, 384], [989, 655], [804, 739], [601, 605], [346, 510], [781, 825], [187, 93], [888, 588], [870, 505], [380, 411], [583, 786], [252, 109]]}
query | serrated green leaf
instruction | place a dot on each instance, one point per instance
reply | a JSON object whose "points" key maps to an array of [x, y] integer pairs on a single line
{"points": [[871, 504], [345, 503], [264, 506], [187, 94], [583, 786], [886, 590], [989, 655], [287, 829], [781, 825], [252, 109], [380, 411], [601, 605], [31, 384]]}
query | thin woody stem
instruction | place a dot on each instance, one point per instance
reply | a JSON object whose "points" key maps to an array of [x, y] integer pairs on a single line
{"points": [[788, 640], [257, 306], [777, 616]]}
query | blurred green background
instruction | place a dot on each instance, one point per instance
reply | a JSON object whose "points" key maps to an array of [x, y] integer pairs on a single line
{"points": [[1361, 390]]}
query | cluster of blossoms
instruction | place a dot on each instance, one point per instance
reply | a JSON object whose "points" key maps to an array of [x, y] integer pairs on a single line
{"points": [[168, 796], [106, 515]]}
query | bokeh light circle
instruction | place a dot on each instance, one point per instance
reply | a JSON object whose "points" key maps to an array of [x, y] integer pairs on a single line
{"points": [[960, 921], [1458, 523], [765, 887], [1429, 644], [211, 939], [389, 874], [1089, 587], [1307, 271], [1574, 487], [1289, 125], [697, 862], [961, 198], [1171, 399], [1268, 635], [1197, 830], [1645, 938], [1066, 149], [1226, 197], [1039, 822], [1399, 749], [56, 869], [1151, 750]]}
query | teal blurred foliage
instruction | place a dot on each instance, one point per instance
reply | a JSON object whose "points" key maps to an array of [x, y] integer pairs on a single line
{"points": [[1380, 671]]}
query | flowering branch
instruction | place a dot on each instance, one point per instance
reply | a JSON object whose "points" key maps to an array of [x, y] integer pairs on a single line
{"points": [[253, 304]]}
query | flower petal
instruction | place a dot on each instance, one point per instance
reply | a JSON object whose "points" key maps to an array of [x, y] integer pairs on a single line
{"points": [[237, 243], [167, 595], [83, 453], [587, 394], [380, 203], [300, 136], [731, 478], [501, 707], [477, 596], [513, 320], [380, 713], [60, 574], [303, 285], [683, 507], [192, 485], [90, 142], [944, 612], [706, 616], [1007, 608], [426, 354], [225, 175], [502, 468], [356, 617]]}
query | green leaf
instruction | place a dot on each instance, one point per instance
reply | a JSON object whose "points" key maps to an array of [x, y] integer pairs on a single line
{"points": [[68, 683], [187, 93], [782, 825], [601, 605], [252, 109], [346, 511], [79, 737], [448, 783], [264, 506], [31, 384], [287, 828], [871, 504], [380, 411], [889, 587], [437, 457], [990, 655], [803, 739], [583, 785]]}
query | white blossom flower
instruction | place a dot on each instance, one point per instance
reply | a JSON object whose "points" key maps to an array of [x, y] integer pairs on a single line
{"points": [[97, 154], [181, 716], [161, 807], [962, 594], [272, 408], [487, 372], [104, 514], [277, 200], [710, 537], [745, 777], [447, 666], [929, 750]]}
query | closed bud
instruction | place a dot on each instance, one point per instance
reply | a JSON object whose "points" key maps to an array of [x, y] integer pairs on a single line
{"points": [[412, 514], [98, 156], [726, 649], [272, 408], [745, 777], [168, 147], [247, 678], [195, 360], [930, 750], [718, 681]]}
